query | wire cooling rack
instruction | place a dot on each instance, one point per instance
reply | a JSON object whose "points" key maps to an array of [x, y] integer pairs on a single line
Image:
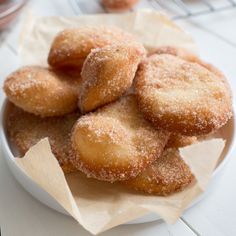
{"points": [[177, 9]]}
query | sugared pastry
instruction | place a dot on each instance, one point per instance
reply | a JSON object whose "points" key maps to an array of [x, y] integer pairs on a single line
{"points": [[25, 130], [116, 142], [167, 175], [71, 46], [119, 5], [182, 97], [107, 73], [42, 91]]}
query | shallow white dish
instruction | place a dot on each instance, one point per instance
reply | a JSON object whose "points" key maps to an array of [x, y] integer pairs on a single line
{"points": [[227, 133]]}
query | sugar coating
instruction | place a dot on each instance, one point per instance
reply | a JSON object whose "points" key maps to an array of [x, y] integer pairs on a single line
{"points": [[188, 56], [116, 142], [191, 57], [181, 96], [176, 51], [107, 73], [167, 175], [25, 130], [42, 91], [71, 46], [178, 140]]}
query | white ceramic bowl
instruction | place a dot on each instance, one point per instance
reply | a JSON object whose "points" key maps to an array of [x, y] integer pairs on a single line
{"points": [[228, 133]]}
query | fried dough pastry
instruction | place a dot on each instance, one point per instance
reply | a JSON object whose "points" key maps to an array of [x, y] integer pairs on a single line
{"points": [[119, 5], [178, 140], [176, 51], [25, 130], [188, 56], [182, 97], [41, 91], [116, 142], [71, 46], [107, 73], [167, 175]]}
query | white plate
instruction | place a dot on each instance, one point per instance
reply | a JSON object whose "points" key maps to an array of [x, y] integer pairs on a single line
{"points": [[227, 133]]}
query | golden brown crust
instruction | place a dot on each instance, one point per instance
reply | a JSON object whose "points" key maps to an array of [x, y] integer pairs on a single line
{"points": [[71, 46], [178, 140], [25, 130], [119, 5], [182, 97], [41, 91], [167, 175], [176, 51], [116, 142], [189, 56], [107, 73]]}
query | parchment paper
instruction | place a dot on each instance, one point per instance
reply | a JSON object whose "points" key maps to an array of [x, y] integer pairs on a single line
{"points": [[97, 205], [151, 28]]}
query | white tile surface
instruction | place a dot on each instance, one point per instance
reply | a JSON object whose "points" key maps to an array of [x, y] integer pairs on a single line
{"points": [[216, 214], [213, 49], [20, 214], [222, 24]]}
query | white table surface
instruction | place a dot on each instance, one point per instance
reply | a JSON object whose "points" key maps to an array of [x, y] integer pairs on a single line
{"points": [[22, 215]]}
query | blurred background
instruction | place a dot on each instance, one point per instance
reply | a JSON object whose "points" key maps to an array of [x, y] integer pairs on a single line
{"points": [[209, 14], [177, 9]]}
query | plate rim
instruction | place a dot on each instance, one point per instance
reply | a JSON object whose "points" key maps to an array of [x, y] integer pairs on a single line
{"points": [[10, 159]]}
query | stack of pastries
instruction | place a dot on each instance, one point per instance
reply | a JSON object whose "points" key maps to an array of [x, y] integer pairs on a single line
{"points": [[115, 111]]}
